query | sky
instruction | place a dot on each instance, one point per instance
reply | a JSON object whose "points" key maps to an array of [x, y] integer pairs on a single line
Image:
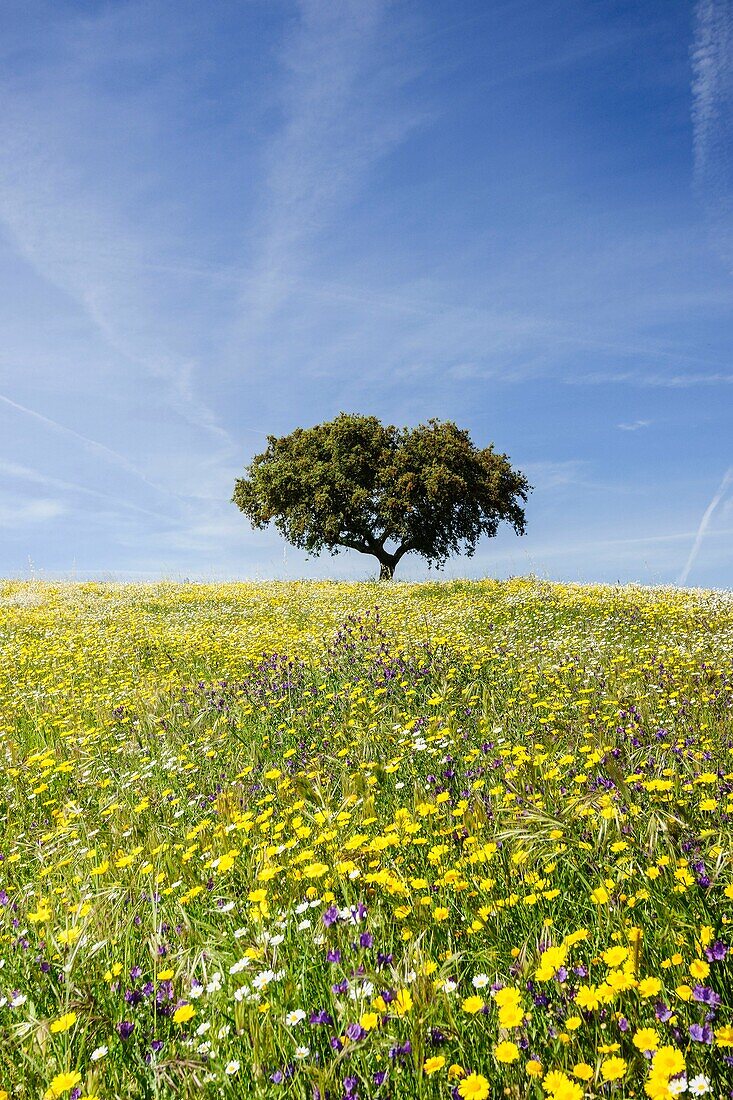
{"points": [[226, 220]]}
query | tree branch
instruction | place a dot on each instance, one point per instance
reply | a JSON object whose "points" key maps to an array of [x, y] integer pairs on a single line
{"points": [[362, 547], [405, 548]]}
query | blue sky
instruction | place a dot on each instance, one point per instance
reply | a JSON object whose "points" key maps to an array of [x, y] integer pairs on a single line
{"points": [[223, 220]]}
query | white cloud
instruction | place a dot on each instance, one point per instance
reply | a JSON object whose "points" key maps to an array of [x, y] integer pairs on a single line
{"points": [[15, 512], [634, 425], [705, 523], [712, 110], [343, 110]]}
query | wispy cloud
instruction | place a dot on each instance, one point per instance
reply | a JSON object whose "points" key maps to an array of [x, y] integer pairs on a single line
{"points": [[712, 110], [343, 110], [95, 449], [634, 425], [704, 524], [82, 229], [16, 512], [17, 472]]}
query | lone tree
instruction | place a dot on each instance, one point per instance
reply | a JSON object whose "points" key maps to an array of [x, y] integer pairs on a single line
{"points": [[358, 484]]}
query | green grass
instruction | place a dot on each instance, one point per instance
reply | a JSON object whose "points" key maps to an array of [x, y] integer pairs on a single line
{"points": [[365, 803]]}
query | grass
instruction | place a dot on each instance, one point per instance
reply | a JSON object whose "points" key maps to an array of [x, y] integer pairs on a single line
{"points": [[340, 840]]}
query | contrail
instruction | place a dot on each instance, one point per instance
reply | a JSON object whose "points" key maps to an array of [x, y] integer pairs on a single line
{"points": [[707, 516], [98, 449]]}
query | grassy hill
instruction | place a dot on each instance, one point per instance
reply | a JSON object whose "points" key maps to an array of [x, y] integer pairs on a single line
{"points": [[340, 840]]}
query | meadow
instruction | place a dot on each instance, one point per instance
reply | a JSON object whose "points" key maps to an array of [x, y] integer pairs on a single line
{"points": [[323, 840]]}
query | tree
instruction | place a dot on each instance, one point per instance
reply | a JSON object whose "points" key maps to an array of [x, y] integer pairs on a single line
{"points": [[358, 484]]}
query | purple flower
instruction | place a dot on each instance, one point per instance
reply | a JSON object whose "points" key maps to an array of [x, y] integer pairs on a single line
{"points": [[705, 995], [320, 1017], [716, 952], [380, 1077], [330, 916], [125, 1029], [340, 987], [355, 1032], [366, 939], [334, 956], [135, 973], [662, 1012], [701, 1033]]}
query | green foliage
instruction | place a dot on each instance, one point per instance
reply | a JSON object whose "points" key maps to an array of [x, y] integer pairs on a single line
{"points": [[358, 484]]}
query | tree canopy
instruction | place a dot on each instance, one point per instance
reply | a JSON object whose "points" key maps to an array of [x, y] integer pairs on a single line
{"points": [[354, 483]]}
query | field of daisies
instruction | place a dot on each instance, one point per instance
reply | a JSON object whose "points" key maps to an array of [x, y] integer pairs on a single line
{"points": [[330, 841]]}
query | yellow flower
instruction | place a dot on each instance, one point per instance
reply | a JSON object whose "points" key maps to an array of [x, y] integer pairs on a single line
{"points": [[668, 1061], [568, 1090], [183, 1014], [723, 1036], [474, 1087], [440, 914], [69, 935], [573, 1023], [699, 968], [473, 1004], [315, 870], [587, 997], [403, 1002], [64, 1022], [369, 1021], [646, 1038], [558, 1085], [511, 1016], [684, 992], [553, 1080], [432, 1065], [533, 1068], [506, 1052], [583, 1071], [614, 956], [41, 914], [455, 1071], [506, 996], [649, 987], [613, 1069], [657, 1087], [62, 1083]]}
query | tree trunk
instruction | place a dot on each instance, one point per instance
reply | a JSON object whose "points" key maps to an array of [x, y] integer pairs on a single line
{"points": [[386, 569]]}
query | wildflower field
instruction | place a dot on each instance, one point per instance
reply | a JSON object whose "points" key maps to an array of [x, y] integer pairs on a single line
{"points": [[324, 840]]}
